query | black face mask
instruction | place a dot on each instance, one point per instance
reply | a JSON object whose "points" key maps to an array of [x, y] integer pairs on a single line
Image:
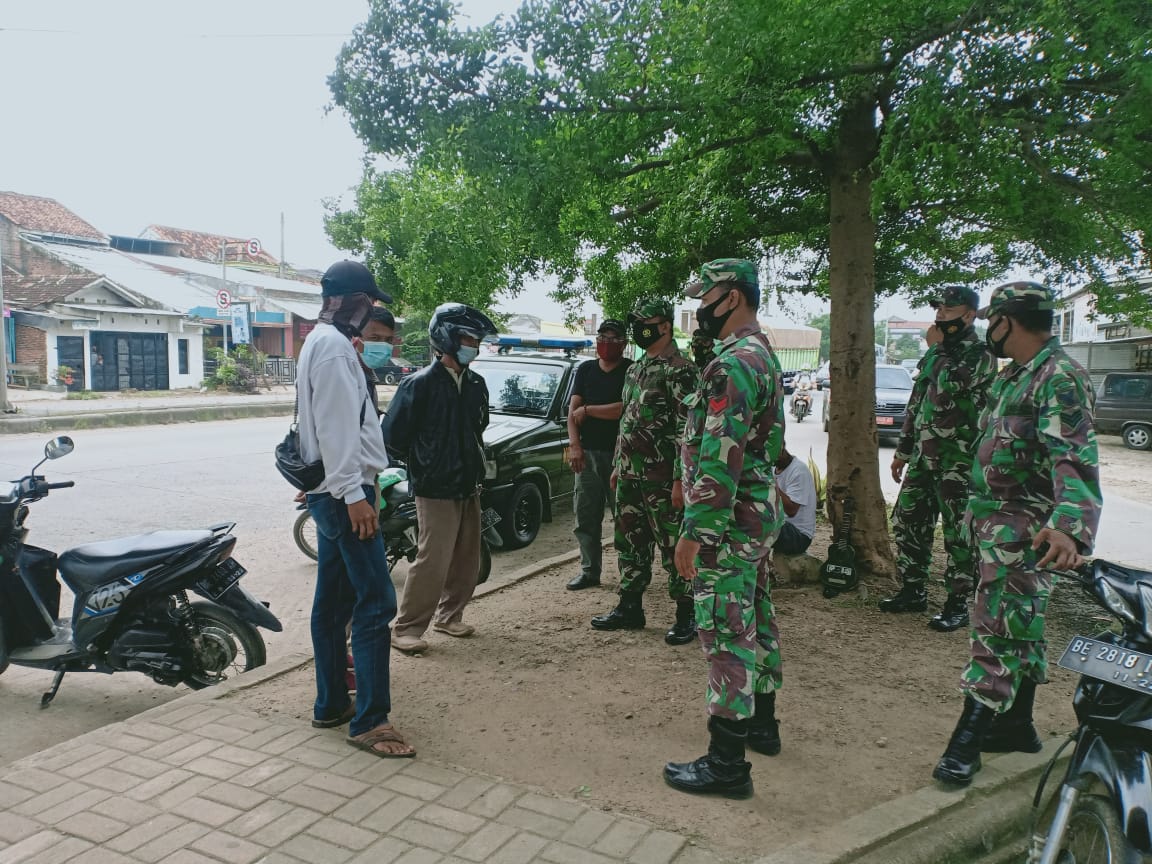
{"points": [[952, 329], [709, 321], [645, 335], [996, 346]]}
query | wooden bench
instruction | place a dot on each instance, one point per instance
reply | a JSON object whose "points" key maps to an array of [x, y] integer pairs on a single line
{"points": [[23, 375]]}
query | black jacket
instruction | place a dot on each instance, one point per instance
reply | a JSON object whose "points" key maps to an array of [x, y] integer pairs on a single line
{"points": [[436, 429]]}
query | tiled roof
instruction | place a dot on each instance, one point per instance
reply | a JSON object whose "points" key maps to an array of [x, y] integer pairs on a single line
{"points": [[46, 216], [36, 292], [206, 247]]}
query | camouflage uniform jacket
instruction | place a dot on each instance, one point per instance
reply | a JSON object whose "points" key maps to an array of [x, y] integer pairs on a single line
{"points": [[1036, 463], [947, 398], [652, 422], [733, 438]]}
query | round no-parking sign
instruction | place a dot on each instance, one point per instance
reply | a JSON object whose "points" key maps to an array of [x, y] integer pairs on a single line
{"points": [[223, 299]]}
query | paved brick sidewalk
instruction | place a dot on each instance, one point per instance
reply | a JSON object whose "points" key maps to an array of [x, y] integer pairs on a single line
{"points": [[198, 782]]}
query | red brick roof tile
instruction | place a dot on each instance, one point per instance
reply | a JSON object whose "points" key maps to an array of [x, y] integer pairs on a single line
{"points": [[206, 247], [46, 216]]}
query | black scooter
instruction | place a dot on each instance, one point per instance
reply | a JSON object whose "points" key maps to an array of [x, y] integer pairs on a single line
{"points": [[132, 611], [1103, 808]]}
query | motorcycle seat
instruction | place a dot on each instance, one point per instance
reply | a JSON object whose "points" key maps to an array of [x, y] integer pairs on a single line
{"points": [[85, 567], [1130, 574], [398, 493]]}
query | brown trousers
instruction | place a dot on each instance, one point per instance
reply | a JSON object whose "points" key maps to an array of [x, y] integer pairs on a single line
{"points": [[443, 576]]}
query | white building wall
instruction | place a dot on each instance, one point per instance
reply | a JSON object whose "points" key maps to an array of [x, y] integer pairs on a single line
{"points": [[176, 328]]}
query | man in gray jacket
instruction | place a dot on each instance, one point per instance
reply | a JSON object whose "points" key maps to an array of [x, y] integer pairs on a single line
{"points": [[338, 425]]}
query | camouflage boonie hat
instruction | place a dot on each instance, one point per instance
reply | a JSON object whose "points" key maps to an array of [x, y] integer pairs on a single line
{"points": [[650, 307], [1019, 297], [739, 270], [956, 295]]}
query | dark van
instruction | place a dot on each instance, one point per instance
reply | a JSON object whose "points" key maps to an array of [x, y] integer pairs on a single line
{"points": [[1124, 408]]}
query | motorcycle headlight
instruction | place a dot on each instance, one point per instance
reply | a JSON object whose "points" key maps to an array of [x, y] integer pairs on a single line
{"points": [[490, 467], [1116, 604]]}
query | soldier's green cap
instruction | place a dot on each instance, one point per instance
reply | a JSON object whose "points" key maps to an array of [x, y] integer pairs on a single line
{"points": [[956, 295], [650, 307], [1013, 297], [738, 270]]}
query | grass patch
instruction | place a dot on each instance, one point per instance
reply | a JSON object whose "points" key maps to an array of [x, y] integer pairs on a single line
{"points": [[83, 394]]}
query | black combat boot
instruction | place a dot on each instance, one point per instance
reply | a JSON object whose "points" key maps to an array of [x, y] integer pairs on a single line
{"points": [[1013, 731], [910, 598], [684, 630], [723, 770], [961, 760], [953, 616], [582, 581], [628, 614], [763, 730]]}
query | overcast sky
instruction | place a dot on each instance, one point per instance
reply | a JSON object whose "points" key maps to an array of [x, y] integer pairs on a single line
{"points": [[207, 115]]}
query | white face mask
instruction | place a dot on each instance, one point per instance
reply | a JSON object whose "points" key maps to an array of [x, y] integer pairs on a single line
{"points": [[465, 355]]}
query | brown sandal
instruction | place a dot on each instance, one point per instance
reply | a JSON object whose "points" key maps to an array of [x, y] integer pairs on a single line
{"points": [[380, 735], [345, 717]]}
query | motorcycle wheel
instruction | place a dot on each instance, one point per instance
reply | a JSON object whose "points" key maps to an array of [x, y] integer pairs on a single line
{"points": [[485, 562], [1094, 835], [230, 646], [304, 533]]}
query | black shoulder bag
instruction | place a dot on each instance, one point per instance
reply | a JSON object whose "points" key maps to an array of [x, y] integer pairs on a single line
{"points": [[304, 476]]}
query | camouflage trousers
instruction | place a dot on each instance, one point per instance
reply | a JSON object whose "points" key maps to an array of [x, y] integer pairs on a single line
{"points": [[645, 521], [926, 495], [736, 622], [1007, 624]]}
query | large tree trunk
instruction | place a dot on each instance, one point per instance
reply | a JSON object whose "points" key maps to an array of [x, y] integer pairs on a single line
{"points": [[853, 452]]}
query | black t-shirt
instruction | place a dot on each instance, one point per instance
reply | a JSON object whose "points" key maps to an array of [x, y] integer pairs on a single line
{"points": [[597, 387]]}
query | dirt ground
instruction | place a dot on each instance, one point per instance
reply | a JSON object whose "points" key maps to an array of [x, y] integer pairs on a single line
{"points": [[539, 697], [1125, 471]]}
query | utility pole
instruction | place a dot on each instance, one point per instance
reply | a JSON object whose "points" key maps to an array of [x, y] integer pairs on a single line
{"points": [[5, 405], [281, 244]]}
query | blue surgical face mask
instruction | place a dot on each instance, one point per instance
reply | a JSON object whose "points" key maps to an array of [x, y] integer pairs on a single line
{"points": [[465, 355], [376, 354]]}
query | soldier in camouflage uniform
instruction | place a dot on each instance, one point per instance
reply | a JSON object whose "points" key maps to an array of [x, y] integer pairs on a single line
{"points": [[646, 472], [1034, 508], [733, 438], [936, 445]]}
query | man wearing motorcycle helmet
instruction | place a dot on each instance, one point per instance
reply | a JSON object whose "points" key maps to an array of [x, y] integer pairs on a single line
{"points": [[352, 580], [1033, 508], [435, 424]]}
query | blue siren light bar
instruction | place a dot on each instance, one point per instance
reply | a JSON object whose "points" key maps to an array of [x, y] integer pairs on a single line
{"points": [[569, 343]]}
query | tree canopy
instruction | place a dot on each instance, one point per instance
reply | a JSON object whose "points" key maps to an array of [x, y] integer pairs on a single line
{"points": [[857, 147]]}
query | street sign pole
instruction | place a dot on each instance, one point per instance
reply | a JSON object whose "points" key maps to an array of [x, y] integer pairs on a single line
{"points": [[224, 276], [5, 405]]}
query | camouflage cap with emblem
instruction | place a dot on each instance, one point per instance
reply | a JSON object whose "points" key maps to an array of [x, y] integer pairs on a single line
{"points": [[956, 295], [1013, 297], [740, 271], [650, 307]]}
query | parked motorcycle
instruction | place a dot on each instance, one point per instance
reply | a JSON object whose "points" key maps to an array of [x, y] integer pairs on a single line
{"points": [[399, 526], [1103, 808], [132, 611]]}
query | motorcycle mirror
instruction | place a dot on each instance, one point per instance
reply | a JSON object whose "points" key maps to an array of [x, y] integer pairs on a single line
{"points": [[58, 447]]}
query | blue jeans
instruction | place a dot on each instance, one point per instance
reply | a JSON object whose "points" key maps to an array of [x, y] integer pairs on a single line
{"points": [[352, 583]]}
